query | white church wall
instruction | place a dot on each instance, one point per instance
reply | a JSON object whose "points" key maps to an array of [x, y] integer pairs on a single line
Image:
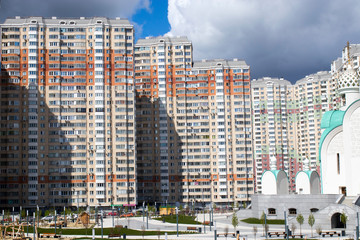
{"points": [[331, 179], [351, 159], [268, 183], [302, 183]]}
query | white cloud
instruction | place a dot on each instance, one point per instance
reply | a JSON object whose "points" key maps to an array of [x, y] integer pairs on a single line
{"points": [[277, 38]]}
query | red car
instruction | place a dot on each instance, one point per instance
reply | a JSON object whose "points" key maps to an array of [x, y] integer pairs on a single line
{"points": [[112, 214]]}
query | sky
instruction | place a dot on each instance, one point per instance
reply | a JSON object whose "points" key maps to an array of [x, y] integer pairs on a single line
{"points": [[277, 38]]}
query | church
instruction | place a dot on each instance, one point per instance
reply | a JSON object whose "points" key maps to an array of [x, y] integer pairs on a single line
{"points": [[336, 190], [340, 141]]}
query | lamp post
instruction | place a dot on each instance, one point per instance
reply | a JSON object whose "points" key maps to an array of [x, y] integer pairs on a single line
{"points": [[102, 233], [64, 214], [143, 211], [27, 223], [265, 225], [210, 218], [13, 213], [55, 221], [34, 226], [286, 227], [215, 234], [112, 213], [203, 209], [177, 221], [147, 217], [37, 209], [357, 224], [20, 214], [3, 217]]}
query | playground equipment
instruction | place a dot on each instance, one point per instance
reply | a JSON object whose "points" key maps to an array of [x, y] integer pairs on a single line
{"points": [[13, 231]]}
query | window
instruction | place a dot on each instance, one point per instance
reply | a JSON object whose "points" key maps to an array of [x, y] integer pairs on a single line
{"points": [[313, 210], [292, 211], [272, 211]]}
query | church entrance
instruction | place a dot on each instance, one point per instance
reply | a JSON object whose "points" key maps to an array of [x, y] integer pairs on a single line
{"points": [[336, 221]]}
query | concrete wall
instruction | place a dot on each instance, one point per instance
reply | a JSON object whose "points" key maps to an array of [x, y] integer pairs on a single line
{"points": [[302, 203]]}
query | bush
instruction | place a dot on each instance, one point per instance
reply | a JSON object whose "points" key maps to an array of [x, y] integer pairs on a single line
{"points": [[258, 221]]}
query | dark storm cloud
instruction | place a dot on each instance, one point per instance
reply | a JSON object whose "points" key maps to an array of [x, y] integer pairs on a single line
{"points": [[71, 8], [278, 38]]}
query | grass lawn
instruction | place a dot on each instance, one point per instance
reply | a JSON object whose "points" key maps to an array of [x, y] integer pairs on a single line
{"points": [[182, 219], [258, 221], [106, 231]]}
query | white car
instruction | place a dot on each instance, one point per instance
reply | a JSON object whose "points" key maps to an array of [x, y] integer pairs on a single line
{"points": [[48, 218]]}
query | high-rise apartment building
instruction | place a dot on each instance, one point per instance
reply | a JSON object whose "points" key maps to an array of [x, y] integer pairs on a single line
{"points": [[67, 112], [193, 125], [271, 131], [286, 122]]}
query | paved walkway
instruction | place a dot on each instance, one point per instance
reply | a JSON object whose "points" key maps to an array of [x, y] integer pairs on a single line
{"points": [[222, 222]]}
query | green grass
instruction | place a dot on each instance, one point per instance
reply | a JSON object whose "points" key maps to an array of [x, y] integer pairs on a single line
{"points": [[183, 219], [258, 221], [106, 231]]}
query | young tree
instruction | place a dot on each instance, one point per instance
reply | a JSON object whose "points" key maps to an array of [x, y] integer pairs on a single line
{"points": [[293, 228], [262, 220], [300, 220], [226, 231], [311, 222], [343, 218], [143, 231], [234, 222], [255, 229], [318, 230]]}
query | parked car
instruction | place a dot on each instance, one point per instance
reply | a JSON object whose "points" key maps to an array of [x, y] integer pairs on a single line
{"points": [[127, 215], [47, 218], [112, 213]]}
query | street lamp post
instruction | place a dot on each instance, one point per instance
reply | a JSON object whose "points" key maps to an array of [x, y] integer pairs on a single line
{"points": [[203, 209], [20, 214], [143, 211], [102, 233], [286, 227], [34, 227], [210, 220], [357, 224], [55, 221], [3, 217], [215, 233], [177, 221], [13, 213], [112, 213], [64, 214], [147, 217], [27, 223], [38, 210], [265, 225]]}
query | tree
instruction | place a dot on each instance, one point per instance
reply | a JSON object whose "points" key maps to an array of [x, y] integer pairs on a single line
{"points": [[262, 220], [300, 220], [143, 231], [234, 222], [318, 230], [226, 230], [255, 229], [293, 228], [343, 218], [311, 222]]}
